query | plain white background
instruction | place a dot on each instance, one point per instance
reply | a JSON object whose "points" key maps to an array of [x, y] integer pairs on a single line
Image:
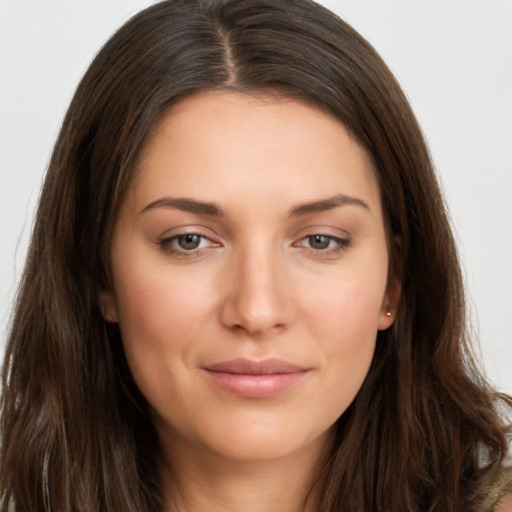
{"points": [[452, 57]]}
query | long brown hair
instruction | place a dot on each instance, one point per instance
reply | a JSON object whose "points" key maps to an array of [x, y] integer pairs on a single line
{"points": [[424, 432]]}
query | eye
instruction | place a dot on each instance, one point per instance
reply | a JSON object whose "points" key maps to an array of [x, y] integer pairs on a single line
{"points": [[186, 243], [320, 243]]}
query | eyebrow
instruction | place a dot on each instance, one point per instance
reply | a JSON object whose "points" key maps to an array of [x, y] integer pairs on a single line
{"points": [[324, 205], [187, 205], [213, 210]]}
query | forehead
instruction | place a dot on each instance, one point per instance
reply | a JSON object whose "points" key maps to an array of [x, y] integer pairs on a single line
{"points": [[218, 143]]}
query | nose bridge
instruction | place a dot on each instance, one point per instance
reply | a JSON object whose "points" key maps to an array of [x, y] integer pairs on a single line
{"points": [[256, 299]]}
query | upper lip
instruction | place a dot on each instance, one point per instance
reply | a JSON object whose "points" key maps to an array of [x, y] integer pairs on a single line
{"points": [[249, 367]]}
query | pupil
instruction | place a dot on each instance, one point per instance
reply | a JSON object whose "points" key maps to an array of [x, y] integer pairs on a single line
{"points": [[319, 242], [189, 242]]}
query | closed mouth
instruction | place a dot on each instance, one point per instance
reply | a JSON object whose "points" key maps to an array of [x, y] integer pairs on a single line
{"points": [[256, 379]]}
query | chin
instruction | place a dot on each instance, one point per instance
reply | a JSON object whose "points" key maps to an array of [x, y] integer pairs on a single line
{"points": [[268, 442]]}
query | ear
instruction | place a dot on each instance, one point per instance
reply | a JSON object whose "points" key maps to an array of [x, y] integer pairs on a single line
{"points": [[108, 305], [389, 308]]}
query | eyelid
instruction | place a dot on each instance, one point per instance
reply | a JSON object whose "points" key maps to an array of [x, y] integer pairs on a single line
{"points": [[192, 229], [177, 238], [167, 240], [323, 230], [339, 241]]}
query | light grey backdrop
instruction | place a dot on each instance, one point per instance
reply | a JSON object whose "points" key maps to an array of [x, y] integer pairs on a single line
{"points": [[453, 58]]}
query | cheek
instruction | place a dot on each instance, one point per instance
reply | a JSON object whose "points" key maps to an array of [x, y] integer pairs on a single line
{"points": [[348, 303], [156, 299], [344, 317], [162, 314], [162, 319], [145, 307]]}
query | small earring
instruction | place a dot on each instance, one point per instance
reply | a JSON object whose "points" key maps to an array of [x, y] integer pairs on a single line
{"points": [[388, 313], [110, 319]]}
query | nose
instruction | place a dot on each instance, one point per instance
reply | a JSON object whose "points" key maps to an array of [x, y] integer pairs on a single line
{"points": [[257, 298]]}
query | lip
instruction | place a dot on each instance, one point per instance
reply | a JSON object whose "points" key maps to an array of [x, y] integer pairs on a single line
{"points": [[255, 379]]}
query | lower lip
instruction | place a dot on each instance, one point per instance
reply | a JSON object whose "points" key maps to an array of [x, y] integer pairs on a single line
{"points": [[256, 386]]}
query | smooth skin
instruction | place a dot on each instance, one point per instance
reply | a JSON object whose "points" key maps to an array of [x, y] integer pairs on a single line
{"points": [[253, 229]]}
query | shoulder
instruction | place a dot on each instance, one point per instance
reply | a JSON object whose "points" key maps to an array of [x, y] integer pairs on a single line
{"points": [[505, 504]]}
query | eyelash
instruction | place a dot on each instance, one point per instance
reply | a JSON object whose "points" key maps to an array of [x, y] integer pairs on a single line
{"points": [[335, 245], [170, 245]]}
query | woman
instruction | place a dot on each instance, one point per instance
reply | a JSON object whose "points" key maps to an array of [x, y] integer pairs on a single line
{"points": [[242, 290]]}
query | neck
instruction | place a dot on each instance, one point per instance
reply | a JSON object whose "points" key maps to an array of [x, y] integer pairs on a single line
{"points": [[194, 480]]}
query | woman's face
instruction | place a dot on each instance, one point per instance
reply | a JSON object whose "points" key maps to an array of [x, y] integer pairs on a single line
{"points": [[250, 275]]}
